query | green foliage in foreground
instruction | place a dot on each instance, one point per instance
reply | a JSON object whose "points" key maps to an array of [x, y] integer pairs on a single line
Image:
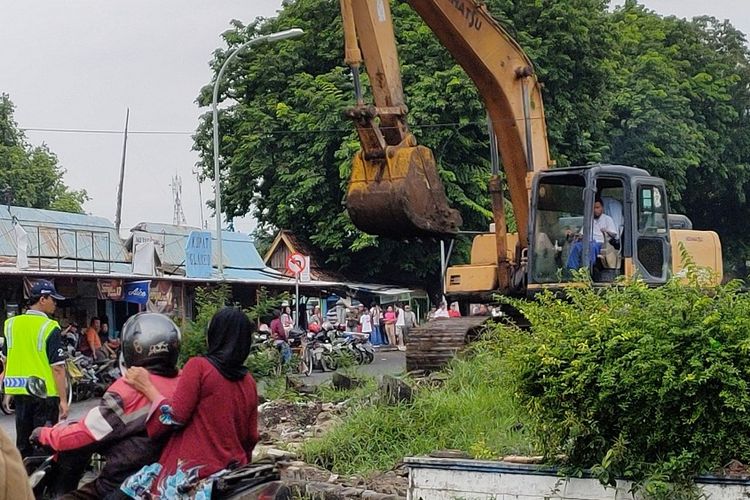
{"points": [[631, 382], [473, 411], [647, 384]]}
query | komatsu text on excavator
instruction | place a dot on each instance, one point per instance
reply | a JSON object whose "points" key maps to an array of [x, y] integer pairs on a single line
{"points": [[395, 190]]}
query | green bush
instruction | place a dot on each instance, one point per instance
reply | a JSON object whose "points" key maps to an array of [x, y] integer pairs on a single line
{"points": [[648, 384], [208, 301]]}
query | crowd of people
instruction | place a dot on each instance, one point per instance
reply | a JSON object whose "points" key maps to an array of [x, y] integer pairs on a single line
{"points": [[96, 341], [389, 326], [163, 432]]}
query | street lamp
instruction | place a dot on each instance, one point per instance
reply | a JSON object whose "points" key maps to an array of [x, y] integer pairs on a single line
{"points": [[281, 35]]}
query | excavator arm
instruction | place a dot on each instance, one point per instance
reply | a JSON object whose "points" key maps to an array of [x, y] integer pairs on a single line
{"points": [[395, 189]]}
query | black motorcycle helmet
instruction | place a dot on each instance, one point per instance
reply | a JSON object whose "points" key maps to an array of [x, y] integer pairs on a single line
{"points": [[152, 341]]}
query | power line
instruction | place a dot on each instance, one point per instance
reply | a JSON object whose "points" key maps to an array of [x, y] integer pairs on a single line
{"points": [[269, 132], [102, 131]]}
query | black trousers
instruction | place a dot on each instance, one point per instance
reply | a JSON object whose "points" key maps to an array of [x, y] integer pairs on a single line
{"points": [[33, 412]]}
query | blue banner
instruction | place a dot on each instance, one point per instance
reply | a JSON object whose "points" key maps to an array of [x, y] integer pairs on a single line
{"points": [[136, 292], [198, 255]]}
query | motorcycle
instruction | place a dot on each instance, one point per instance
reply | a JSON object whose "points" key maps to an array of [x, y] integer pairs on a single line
{"points": [[319, 353], [360, 347], [88, 378], [250, 482]]}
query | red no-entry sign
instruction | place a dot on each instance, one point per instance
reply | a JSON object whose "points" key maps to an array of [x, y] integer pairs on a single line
{"points": [[295, 263]]}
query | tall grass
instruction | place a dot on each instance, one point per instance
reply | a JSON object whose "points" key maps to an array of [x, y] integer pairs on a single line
{"points": [[473, 411]]}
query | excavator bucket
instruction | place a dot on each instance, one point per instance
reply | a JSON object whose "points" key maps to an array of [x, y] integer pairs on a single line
{"points": [[400, 196]]}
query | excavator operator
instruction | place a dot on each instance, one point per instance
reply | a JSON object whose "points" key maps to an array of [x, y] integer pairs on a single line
{"points": [[602, 229]]}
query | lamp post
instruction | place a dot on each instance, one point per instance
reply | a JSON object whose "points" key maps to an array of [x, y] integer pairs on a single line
{"points": [[281, 35]]}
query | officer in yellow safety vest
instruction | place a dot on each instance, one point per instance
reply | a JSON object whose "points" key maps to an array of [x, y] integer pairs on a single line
{"points": [[34, 348]]}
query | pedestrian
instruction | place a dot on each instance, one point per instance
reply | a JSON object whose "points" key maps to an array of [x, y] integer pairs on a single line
{"points": [[33, 346], [376, 316], [390, 325], [400, 324], [365, 322], [287, 322], [431, 314], [93, 340], [315, 317], [454, 311], [211, 421], [280, 337], [442, 311], [410, 321]]}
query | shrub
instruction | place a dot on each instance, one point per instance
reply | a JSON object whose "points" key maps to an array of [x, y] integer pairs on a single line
{"points": [[208, 301], [648, 384]]}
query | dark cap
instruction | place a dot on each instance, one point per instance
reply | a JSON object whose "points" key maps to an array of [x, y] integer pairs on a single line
{"points": [[45, 287]]}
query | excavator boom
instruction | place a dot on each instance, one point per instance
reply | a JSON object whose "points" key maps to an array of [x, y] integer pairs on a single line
{"points": [[395, 189]]}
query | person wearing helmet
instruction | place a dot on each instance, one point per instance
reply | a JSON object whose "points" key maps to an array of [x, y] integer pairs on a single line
{"points": [[212, 416], [116, 428]]}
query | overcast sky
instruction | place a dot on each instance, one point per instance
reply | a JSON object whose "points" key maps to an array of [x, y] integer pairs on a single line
{"points": [[78, 64]]}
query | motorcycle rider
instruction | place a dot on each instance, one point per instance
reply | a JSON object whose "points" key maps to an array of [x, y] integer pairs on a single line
{"points": [[116, 428]]}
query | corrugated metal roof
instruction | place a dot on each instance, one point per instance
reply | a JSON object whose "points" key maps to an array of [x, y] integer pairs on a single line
{"points": [[238, 248], [61, 240]]}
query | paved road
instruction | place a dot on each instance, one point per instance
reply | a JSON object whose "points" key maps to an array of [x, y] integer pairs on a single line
{"points": [[385, 363]]}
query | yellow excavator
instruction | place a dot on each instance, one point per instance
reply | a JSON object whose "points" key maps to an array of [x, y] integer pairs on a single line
{"points": [[395, 189]]}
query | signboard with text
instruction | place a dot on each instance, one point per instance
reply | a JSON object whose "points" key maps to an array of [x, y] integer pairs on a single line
{"points": [[137, 292], [109, 289], [198, 255], [304, 276]]}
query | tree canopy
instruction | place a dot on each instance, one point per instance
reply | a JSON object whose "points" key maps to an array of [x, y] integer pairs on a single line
{"points": [[626, 86], [30, 176]]}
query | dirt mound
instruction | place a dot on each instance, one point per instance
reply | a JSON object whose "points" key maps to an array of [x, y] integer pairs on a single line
{"points": [[274, 413]]}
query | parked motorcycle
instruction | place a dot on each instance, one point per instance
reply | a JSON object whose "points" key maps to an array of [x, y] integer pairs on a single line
{"points": [[319, 352], [88, 378], [360, 347]]}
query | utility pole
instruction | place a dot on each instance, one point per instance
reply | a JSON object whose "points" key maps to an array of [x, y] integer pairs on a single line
{"points": [[118, 213]]}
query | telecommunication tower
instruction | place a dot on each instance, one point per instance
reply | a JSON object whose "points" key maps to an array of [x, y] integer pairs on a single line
{"points": [[178, 219]]}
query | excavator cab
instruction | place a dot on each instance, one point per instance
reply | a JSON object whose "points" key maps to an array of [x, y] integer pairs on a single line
{"points": [[565, 237]]}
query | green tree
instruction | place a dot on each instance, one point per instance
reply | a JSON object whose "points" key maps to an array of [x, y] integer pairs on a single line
{"points": [[286, 150], [30, 176], [680, 111]]}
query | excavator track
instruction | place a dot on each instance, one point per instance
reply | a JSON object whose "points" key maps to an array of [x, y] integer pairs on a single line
{"points": [[432, 345]]}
